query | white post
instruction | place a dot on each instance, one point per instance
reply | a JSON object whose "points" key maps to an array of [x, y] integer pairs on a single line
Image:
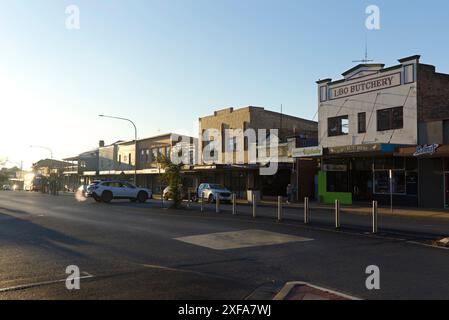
{"points": [[188, 198], [279, 208], [391, 191], [234, 205], [306, 210], [337, 214], [254, 205], [375, 221], [202, 202], [217, 204]]}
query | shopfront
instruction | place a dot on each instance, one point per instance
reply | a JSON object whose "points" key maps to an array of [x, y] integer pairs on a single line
{"points": [[433, 168], [369, 172]]}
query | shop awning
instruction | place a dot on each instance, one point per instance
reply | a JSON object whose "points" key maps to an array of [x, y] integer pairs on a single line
{"points": [[424, 151], [362, 150]]}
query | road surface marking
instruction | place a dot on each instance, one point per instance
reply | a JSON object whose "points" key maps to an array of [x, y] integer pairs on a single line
{"points": [[43, 283], [241, 239], [289, 286]]}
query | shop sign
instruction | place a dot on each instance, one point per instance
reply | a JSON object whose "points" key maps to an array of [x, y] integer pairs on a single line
{"points": [[335, 167], [426, 150], [307, 152], [356, 148], [366, 86]]}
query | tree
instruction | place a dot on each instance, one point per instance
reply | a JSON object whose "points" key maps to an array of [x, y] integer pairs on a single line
{"points": [[172, 177]]}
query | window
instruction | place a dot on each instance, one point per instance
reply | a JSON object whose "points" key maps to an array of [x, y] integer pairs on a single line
{"points": [[168, 152], [362, 122], [382, 182], [337, 181], [338, 126], [155, 155], [232, 144], [409, 73], [323, 93], [390, 119]]}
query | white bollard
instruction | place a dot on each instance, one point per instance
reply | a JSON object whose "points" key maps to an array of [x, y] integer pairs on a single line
{"points": [[337, 214], [188, 199], [306, 210], [279, 208], [375, 221], [202, 202], [254, 205]]}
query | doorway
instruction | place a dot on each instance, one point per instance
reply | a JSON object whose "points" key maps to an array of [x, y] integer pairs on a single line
{"points": [[363, 185]]}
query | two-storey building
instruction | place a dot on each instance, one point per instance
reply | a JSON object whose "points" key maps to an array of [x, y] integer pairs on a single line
{"points": [[380, 130], [234, 145]]}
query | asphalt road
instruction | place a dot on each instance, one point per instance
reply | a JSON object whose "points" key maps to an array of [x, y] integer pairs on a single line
{"points": [[133, 251]]}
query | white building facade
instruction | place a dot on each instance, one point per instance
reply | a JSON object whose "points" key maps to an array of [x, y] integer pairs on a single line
{"points": [[370, 105]]}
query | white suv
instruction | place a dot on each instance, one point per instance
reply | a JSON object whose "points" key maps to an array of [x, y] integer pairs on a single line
{"points": [[107, 190], [212, 191]]}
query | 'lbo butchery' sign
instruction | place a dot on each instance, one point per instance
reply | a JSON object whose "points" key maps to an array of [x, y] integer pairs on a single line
{"points": [[373, 84]]}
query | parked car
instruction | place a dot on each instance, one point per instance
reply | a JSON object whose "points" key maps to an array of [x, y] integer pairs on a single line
{"points": [[212, 191], [106, 191], [167, 194], [6, 187]]}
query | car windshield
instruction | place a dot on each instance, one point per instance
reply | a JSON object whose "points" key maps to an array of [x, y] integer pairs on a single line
{"points": [[216, 186]]}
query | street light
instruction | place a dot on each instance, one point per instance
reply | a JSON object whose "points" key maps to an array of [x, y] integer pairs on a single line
{"points": [[135, 141]]}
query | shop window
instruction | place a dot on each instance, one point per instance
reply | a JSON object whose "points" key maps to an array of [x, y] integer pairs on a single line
{"points": [[389, 163], [362, 122], [390, 119], [412, 183], [338, 126], [409, 73], [382, 182], [337, 181]]}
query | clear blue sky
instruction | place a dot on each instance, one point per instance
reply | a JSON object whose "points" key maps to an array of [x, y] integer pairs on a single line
{"points": [[166, 63]]}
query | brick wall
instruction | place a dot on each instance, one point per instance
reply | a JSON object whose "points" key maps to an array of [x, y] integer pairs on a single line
{"points": [[433, 94]]}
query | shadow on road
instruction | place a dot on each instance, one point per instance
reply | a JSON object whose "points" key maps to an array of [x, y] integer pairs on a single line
{"points": [[18, 232]]}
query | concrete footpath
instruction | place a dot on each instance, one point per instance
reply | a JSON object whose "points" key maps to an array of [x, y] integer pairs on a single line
{"points": [[360, 209]]}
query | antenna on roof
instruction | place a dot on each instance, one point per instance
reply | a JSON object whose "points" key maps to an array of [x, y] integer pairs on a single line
{"points": [[366, 60]]}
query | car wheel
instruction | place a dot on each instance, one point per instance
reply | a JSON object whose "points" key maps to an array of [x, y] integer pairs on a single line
{"points": [[142, 197], [211, 198], [96, 197], [107, 196]]}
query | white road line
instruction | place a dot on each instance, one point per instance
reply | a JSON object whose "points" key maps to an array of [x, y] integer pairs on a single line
{"points": [[40, 284]]}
